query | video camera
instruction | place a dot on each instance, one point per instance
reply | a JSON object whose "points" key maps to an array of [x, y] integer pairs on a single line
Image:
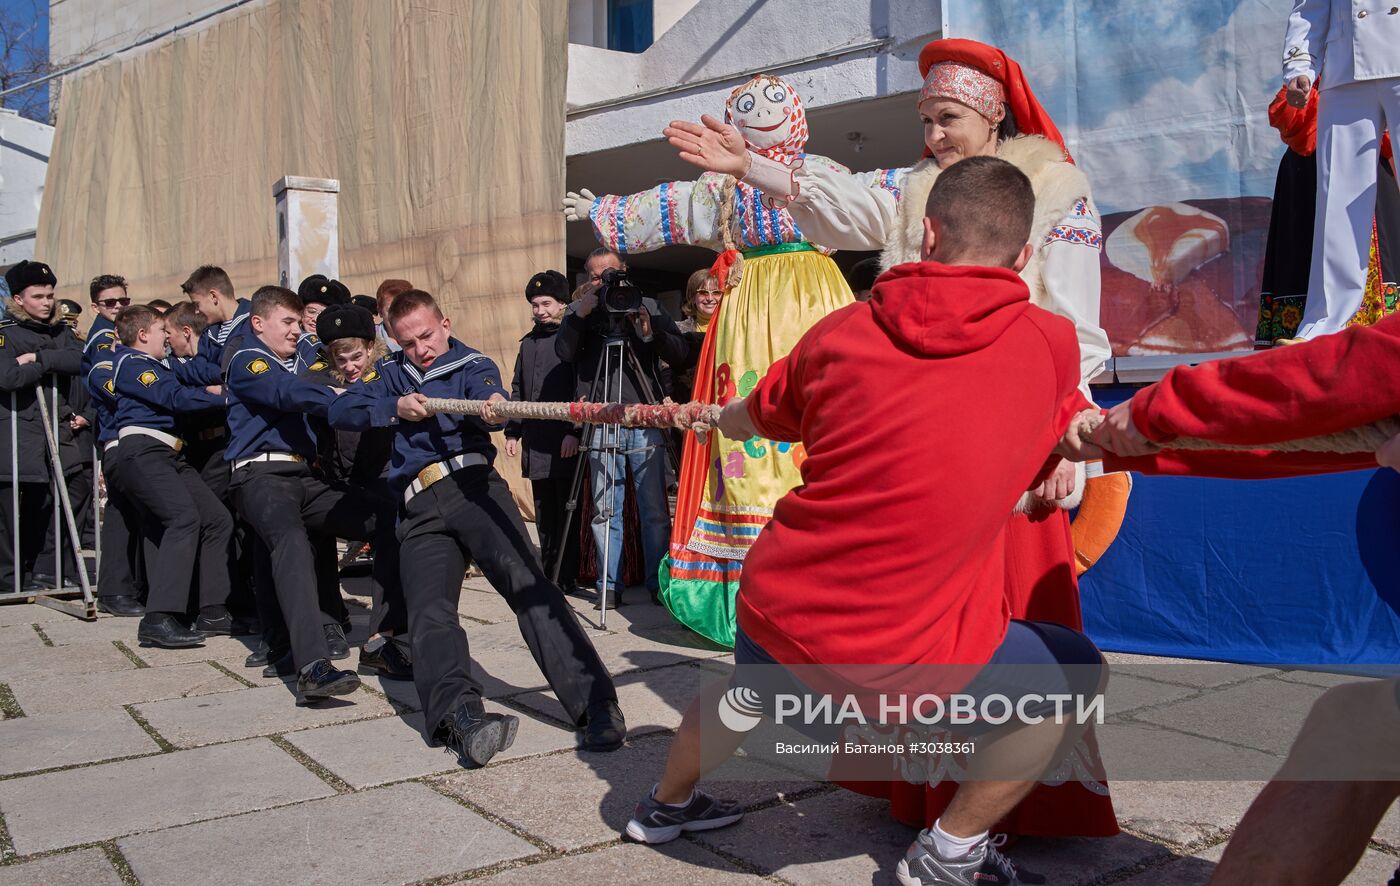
{"points": [[618, 294]]}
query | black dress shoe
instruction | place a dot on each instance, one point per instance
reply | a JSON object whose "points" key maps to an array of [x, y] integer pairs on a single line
{"points": [[259, 656], [388, 661], [335, 642], [281, 666], [246, 626], [475, 735], [164, 630], [603, 727], [121, 605], [47, 581], [320, 680], [33, 585], [215, 624]]}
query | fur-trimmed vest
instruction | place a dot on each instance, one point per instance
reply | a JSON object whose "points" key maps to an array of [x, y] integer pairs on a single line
{"points": [[1057, 184]]}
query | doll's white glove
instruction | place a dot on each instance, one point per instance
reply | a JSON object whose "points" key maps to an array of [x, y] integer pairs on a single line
{"points": [[576, 204]]}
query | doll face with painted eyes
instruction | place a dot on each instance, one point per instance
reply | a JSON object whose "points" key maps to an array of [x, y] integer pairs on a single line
{"points": [[761, 112]]}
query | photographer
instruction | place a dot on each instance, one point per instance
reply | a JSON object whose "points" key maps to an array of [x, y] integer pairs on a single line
{"points": [[604, 312]]}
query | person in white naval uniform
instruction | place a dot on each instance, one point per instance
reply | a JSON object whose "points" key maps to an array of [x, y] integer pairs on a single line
{"points": [[1351, 48]]}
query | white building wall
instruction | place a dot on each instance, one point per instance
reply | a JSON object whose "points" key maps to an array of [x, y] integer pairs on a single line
{"points": [[834, 52], [24, 160]]}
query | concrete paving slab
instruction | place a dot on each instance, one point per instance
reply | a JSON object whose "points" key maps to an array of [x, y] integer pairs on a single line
{"points": [[1085, 859], [402, 694], [418, 834], [575, 800], [20, 638], [214, 648], [1146, 752], [676, 864], [652, 701], [1187, 671], [51, 660], [1324, 679], [74, 632], [1263, 714], [31, 613], [1182, 813], [484, 606], [836, 838], [47, 741], [86, 867], [400, 751], [1129, 693], [1374, 869], [85, 692], [76, 806], [266, 710]]}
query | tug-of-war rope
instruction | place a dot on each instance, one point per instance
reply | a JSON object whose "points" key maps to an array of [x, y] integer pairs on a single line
{"points": [[1367, 438]]}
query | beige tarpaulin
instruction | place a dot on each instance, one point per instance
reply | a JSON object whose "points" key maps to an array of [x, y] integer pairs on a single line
{"points": [[443, 121]]}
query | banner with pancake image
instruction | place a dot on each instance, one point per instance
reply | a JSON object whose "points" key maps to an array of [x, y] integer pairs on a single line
{"points": [[1165, 108]]}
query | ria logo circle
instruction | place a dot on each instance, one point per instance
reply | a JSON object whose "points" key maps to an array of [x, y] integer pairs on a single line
{"points": [[740, 709]]}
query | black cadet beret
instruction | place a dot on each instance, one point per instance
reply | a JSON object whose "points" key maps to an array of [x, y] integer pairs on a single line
{"points": [[29, 273], [344, 321], [551, 283], [367, 302], [318, 288]]}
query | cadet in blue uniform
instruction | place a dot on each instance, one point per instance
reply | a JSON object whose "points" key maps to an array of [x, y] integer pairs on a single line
{"points": [[211, 291], [317, 293], [271, 446], [470, 515], [186, 522]]}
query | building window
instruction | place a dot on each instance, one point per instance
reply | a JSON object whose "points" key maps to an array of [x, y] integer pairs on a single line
{"points": [[629, 25]]}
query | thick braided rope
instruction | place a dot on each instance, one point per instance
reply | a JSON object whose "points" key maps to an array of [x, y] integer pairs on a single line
{"points": [[666, 415], [1367, 438]]}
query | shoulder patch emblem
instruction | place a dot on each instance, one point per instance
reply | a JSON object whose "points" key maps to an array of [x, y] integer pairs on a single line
{"points": [[109, 387], [106, 347], [257, 366], [490, 382], [148, 377], [2, 341], [371, 375], [318, 366]]}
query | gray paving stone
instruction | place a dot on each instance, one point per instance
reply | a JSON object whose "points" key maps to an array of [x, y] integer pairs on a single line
{"points": [[1374, 869], [83, 692], [484, 606], [20, 638], [50, 660], [1146, 752], [575, 800], [1325, 679], [1129, 693], [676, 864], [1187, 671], [399, 751], [418, 834], [99, 802], [1263, 714], [266, 710], [214, 649], [651, 701], [835, 838], [1182, 813], [86, 867], [1084, 859], [47, 741], [30, 613], [75, 632]]}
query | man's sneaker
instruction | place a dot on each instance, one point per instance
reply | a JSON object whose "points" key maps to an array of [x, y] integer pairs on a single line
{"points": [[655, 822], [475, 735], [983, 866]]}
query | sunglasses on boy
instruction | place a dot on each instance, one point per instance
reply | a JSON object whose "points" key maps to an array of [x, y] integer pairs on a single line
{"points": [[115, 302]]}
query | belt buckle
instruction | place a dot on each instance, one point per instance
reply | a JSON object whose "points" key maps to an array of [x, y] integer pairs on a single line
{"points": [[430, 475], [179, 445]]}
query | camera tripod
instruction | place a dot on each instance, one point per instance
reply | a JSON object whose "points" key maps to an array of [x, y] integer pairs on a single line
{"points": [[617, 357]]}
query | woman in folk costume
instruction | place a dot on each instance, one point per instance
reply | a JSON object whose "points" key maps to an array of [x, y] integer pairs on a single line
{"points": [[776, 286], [975, 101]]}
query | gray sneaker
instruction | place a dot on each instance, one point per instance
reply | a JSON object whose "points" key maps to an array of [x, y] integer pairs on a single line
{"points": [[655, 822], [983, 866]]}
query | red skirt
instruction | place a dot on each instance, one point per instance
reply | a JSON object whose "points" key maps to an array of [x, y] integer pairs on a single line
{"points": [[1040, 586]]}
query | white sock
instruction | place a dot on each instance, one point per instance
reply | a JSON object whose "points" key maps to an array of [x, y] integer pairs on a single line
{"points": [[673, 805], [950, 847]]}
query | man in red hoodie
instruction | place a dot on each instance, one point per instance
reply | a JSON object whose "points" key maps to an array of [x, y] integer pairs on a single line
{"points": [[937, 403]]}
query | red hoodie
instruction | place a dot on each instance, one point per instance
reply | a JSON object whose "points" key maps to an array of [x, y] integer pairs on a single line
{"points": [[924, 413], [1329, 384]]}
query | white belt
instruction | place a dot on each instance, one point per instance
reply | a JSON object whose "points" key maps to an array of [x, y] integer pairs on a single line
{"points": [[170, 440], [440, 470], [110, 445], [268, 456]]}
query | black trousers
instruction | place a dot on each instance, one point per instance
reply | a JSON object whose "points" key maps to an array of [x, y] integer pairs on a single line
{"points": [[119, 573], [551, 521], [207, 457], [36, 507], [471, 515], [186, 525], [286, 504]]}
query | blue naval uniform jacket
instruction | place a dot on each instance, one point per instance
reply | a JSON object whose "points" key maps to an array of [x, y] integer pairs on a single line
{"points": [[308, 354], [100, 345], [102, 386], [268, 405], [462, 373], [207, 367], [150, 396]]}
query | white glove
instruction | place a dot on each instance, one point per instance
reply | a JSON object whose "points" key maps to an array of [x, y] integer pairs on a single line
{"points": [[576, 204]]}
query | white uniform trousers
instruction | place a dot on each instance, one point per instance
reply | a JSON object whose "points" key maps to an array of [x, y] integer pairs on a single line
{"points": [[1350, 120]]}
